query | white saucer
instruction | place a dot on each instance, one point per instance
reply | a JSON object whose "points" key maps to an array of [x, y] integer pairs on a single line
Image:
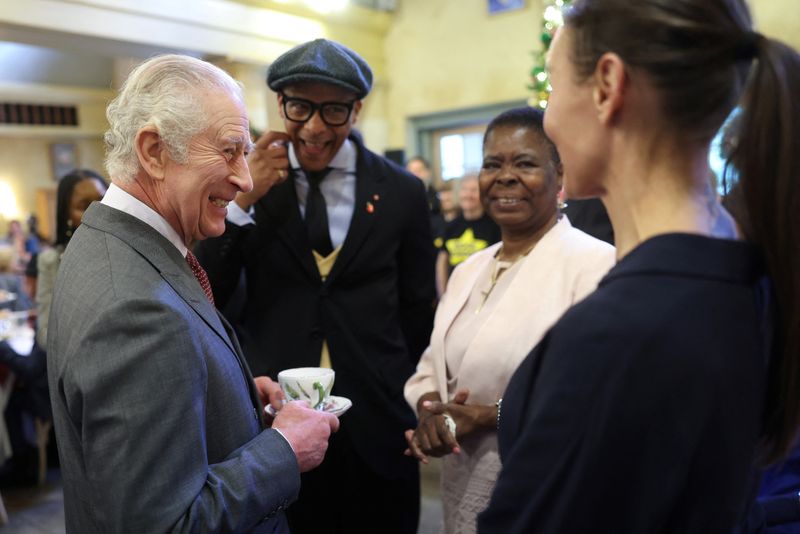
{"points": [[335, 405]]}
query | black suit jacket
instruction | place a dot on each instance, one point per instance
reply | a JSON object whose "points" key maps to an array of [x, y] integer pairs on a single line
{"points": [[640, 410], [375, 309]]}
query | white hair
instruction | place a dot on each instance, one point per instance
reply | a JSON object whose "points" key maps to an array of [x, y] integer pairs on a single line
{"points": [[165, 92]]}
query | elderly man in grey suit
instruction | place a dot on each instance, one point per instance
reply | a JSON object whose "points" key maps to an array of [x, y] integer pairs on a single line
{"points": [[159, 423]]}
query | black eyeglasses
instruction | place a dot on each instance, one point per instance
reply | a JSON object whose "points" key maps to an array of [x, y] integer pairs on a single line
{"points": [[301, 110]]}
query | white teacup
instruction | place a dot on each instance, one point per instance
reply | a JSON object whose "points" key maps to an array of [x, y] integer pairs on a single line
{"points": [[312, 384]]}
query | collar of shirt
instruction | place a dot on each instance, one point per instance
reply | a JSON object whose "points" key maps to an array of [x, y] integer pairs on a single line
{"points": [[118, 198], [338, 188], [344, 160]]}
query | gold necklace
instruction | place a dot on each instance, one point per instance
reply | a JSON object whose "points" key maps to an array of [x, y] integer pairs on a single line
{"points": [[500, 266]]}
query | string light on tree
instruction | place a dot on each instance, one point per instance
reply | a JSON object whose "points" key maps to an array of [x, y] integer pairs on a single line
{"points": [[552, 18]]}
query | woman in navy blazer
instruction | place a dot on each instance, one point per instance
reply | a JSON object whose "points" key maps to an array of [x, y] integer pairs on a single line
{"points": [[647, 406]]}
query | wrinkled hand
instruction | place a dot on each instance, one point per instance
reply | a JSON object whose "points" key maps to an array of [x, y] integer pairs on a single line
{"points": [[270, 392], [307, 431], [269, 165]]}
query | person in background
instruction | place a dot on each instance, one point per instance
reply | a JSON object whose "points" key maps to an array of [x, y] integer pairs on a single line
{"points": [[34, 241], [419, 167], [449, 206], [336, 248], [16, 239], [160, 425], [648, 405], [12, 290], [76, 191], [499, 303], [31, 396], [470, 231]]}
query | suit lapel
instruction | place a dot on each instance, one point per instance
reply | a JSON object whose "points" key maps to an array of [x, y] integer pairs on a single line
{"points": [[192, 293], [254, 397], [162, 255], [283, 210], [369, 190]]}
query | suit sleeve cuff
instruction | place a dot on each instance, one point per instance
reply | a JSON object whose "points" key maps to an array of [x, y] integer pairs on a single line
{"points": [[286, 440]]}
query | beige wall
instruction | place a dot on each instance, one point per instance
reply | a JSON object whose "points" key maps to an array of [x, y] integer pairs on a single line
{"points": [[25, 163], [779, 19], [445, 55]]}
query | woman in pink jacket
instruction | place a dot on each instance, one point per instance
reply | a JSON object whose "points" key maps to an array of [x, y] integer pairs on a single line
{"points": [[498, 305]]}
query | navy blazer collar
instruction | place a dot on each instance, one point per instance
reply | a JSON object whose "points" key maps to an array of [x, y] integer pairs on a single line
{"points": [[691, 255]]}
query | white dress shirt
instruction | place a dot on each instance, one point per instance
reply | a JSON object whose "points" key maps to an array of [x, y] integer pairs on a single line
{"points": [[338, 188], [118, 198]]}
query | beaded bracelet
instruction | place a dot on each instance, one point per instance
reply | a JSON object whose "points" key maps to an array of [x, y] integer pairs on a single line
{"points": [[498, 405]]}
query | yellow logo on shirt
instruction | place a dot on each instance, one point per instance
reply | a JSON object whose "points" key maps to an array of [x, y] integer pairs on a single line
{"points": [[462, 247]]}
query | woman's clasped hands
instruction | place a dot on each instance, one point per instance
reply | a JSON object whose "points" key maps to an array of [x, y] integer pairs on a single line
{"points": [[435, 437]]}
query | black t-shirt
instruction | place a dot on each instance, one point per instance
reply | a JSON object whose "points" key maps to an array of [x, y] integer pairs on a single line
{"points": [[463, 238]]}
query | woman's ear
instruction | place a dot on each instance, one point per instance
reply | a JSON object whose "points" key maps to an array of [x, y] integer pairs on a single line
{"points": [[610, 82], [152, 152], [560, 175]]}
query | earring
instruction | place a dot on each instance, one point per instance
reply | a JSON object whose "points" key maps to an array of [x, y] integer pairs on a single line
{"points": [[560, 205]]}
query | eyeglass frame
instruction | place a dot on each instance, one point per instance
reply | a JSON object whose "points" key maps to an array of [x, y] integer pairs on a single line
{"points": [[316, 108]]}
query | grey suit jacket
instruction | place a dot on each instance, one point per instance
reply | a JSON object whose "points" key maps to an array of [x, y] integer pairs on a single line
{"points": [[156, 414]]}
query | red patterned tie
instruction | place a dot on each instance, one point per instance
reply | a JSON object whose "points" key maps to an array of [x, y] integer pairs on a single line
{"points": [[201, 275]]}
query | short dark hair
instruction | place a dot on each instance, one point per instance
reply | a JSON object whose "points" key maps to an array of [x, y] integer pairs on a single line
{"points": [[523, 117]]}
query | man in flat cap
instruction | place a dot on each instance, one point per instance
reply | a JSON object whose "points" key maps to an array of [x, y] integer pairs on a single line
{"points": [[335, 246]]}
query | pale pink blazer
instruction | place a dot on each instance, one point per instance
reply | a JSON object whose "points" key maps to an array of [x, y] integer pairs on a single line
{"points": [[563, 268]]}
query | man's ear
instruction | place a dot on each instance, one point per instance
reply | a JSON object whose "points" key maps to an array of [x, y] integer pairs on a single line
{"points": [[610, 83], [279, 96], [356, 109], [152, 152]]}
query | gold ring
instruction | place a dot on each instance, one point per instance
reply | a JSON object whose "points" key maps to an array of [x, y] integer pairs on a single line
{"points": [[281, 173]]}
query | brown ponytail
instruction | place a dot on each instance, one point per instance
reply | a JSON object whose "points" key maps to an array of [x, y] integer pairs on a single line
{"points": [[767, 157], [702, 56]]}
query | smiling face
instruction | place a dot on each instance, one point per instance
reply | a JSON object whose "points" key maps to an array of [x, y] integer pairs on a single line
{"points": [[315, 142], [571, 122], [193, 196], [519, 181]]}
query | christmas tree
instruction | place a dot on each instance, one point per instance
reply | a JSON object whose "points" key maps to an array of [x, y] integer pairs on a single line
{"points": [[552, 18]]}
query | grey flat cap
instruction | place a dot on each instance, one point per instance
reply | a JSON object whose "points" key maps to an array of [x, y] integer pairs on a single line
{"points": [[321, 61]]}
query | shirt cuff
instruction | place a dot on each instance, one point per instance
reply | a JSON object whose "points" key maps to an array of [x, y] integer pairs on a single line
{"points": [[239, 217], [286, 440]]}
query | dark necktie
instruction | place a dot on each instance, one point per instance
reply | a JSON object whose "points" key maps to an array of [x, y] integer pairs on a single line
{"points": [[201, 275], [317, 214]]}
